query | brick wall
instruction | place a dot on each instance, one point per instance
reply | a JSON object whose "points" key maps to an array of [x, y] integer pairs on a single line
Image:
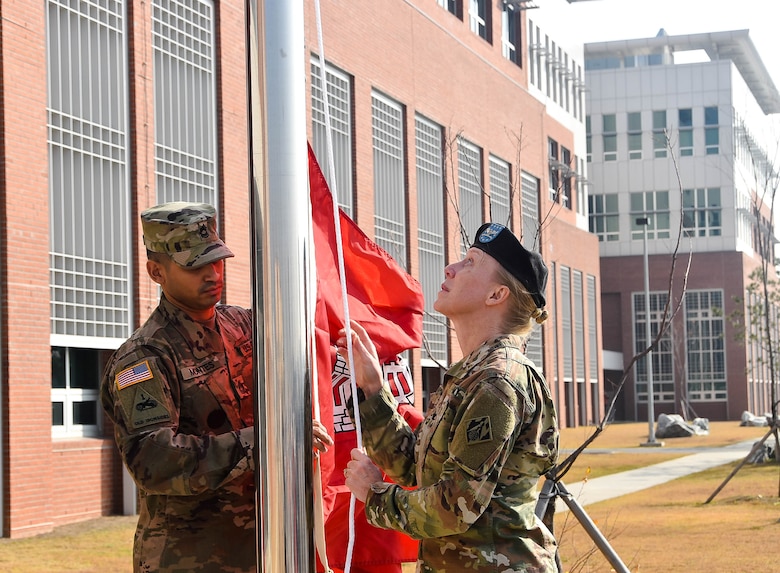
{"points": [[26, 399]]}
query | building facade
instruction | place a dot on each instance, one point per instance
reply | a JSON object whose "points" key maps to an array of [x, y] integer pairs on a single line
{"points": [[681, 172], [444, 114]]}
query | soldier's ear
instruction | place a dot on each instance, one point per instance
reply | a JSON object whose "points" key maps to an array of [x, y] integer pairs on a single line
{"points": [[156, 271]]}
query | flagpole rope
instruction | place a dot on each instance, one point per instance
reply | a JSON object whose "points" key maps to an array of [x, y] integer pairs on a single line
{"points": [[342, 273]]}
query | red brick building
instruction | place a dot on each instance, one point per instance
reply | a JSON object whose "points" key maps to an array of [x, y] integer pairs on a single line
{"points": [[108, 108]]}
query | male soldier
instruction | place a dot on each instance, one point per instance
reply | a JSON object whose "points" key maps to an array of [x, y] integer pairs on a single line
{"points": [[179, 394]]}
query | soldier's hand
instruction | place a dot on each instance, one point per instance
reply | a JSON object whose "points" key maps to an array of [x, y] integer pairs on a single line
{"points": [[360, 473], [322, 440], [368, 371]]}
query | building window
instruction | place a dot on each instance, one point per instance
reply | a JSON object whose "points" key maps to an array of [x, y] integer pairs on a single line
{"points": [[604, 217], [529, 205], [635, 135], [582, 192], [660, 135], [662, 355], [609, 136], [549, 58], [75, 382], [389, 180], [89, 187], [429, 161], [500, 190], [706, 365], [655, 206], [593, 348], [339, 92], [588, 140], [566, 325], [579, 93], [554, 170], [185, 127], [470, 190], [711, 131], [479, 18], [452, 6], [566, 177], [702, 212], [511, 37], [685, 118], [535, 50], [579, 325]]}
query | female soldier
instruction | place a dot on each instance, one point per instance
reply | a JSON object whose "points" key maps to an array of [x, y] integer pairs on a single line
{"points": [[490, 432]]}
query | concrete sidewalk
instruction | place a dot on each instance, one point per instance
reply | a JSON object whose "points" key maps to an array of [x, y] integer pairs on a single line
{"points": [[594, 490]]}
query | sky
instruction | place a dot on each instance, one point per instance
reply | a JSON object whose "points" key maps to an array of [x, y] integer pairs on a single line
{"points": [[603, 20]]}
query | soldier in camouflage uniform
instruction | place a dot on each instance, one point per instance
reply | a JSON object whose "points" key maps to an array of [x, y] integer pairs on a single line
{"points": [[489, 434], [179, 394]]}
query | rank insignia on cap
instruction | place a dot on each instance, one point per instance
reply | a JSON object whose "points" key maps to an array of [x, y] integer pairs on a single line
{"points": [[490, 232], [478, 430], [136, 373]]}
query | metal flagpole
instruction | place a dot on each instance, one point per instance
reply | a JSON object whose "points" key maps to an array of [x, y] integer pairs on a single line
{"points": [[279, 183]]}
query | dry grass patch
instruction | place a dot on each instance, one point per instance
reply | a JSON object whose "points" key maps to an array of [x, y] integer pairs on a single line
{"points": [[96, 546], [669, 528], [617, 448]]}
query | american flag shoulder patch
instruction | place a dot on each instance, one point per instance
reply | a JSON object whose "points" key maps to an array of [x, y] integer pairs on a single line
{"points": [[136, 373]]}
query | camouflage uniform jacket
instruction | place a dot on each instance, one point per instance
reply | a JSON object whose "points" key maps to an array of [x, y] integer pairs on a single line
{"points": [[179, 395], [490, 432]]}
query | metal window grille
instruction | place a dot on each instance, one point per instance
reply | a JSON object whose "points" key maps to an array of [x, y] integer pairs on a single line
{"points": [[88, 179], [704, 331], [389, 186], [566, 324], [184, 100], [470, 189], [529, 204], [593, 343], [662, 355], [339, 90], [500, 190], [579, 326], [430, 210]]}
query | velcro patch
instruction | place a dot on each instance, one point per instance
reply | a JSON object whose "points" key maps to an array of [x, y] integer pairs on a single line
{"points": [[133, 375], [478, 430], [148, 408]]}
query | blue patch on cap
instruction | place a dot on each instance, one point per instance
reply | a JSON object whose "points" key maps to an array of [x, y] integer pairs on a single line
{"points": [[490, 233]]}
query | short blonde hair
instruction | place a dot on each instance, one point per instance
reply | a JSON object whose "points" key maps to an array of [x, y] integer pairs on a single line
{"points": [[522, 312]]}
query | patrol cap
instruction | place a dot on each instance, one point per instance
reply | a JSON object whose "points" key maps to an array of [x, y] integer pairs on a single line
{"points": [[185, 231], [526, 266]]}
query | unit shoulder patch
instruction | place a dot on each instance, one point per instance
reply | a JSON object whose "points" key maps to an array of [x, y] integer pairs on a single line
{"points": [[478, 430], [148, 407]]}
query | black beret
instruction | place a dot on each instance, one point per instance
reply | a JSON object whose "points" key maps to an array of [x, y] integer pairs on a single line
{"points": [[526, 266]]}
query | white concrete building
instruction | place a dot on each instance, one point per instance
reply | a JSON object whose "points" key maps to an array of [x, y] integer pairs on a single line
{"points": [[681, 150]]}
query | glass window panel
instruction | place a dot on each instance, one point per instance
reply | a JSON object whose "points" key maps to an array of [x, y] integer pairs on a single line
{"points": [[58, 379], [57, 414]]}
